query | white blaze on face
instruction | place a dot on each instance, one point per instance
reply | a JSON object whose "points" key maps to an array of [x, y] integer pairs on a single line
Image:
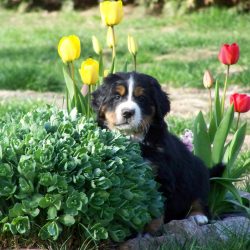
{"points": [[129, 104]]}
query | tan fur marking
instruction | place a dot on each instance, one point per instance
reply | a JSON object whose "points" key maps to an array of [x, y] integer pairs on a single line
{"points": [[102, 111], [138, 91], [196, 208], [111, 119], [120, 89]]}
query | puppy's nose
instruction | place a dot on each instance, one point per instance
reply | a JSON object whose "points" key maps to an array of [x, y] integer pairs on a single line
{"points": [[128, 113]]}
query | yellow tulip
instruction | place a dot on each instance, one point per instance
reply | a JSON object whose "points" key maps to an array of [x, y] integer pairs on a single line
{"points": [[96, 45], [111, 39], [132, 45], [69, 48], [111, 12], [89, 71]]}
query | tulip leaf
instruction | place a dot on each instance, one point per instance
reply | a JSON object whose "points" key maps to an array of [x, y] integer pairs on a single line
{"points": [[234, 147], [202, 147], [112, 70], [69, 85], [212, 128], [227, 183], [101, 66], [125, 67], [221, 135]]}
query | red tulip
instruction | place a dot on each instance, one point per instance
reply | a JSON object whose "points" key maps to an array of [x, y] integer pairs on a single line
{"points": [[241, 102], [229, 54]]}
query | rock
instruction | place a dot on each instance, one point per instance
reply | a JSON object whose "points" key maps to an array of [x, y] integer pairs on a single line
{"points": [[182, 231]]}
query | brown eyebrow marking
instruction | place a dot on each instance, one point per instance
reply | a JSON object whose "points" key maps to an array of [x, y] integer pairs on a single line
{"points": [[120, 89], [138, 91]]}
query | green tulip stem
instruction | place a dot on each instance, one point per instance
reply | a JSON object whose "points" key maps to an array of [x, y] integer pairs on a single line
{"points": [[134, 57], [67, 92], [210, 103], [113, 47], [89, 98], [225, 90], [113, 50], [238, 120], [73, 79]]}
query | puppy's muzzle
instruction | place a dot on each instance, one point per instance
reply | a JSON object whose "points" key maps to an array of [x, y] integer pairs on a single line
{"points": [[128, 113]]}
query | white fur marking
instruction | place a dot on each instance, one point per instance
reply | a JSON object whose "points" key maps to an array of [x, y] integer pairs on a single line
{"points": [[130, 88], [200, 219], [129, 104]]}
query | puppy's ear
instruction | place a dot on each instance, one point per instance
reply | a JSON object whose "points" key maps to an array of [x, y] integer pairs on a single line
{"points": [[97, 99], [102, 93], [161, 99]]}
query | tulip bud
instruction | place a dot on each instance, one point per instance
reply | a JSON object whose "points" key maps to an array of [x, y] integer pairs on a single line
{"points": [[229, 54], [111, 12], [106, 72], [208, 80], [96, 45], [111, 39], [69, 48], [132, 45], [89, 71]]}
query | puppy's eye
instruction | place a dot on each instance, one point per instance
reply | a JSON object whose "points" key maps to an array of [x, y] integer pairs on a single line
{"points": [[141, 97], [117, 97]]}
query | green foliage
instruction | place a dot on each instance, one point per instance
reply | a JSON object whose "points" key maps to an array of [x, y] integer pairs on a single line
{"points": [[59, 171], [213, 146]]}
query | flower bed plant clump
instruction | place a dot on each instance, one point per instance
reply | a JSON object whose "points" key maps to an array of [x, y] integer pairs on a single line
{"points": [[59, 170]]}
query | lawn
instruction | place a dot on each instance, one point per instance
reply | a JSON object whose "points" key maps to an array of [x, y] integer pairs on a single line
{"points": [[176, 50]]}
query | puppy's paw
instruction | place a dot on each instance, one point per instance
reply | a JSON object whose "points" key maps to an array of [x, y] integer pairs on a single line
{"points": [[200, 219]]}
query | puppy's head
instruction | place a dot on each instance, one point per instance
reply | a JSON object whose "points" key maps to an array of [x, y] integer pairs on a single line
{"points": [[130, 102]]}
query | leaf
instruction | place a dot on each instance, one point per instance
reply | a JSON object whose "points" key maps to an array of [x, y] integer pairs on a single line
{"points": [[100, 66], [125, 67], [67, 220], [69, 85], [235, 146], [50, 230], [221, 135], [6, 170], [22, 224], [52, 213], [227, 183], [202, 147], [212, 129], [1, 152], [16, 211], [240, 205]]}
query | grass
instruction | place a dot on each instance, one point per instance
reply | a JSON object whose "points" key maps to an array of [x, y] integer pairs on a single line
{"points": [[174, 49], [17, 107]]}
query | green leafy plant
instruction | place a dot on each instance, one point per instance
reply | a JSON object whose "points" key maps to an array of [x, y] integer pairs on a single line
{"points": [[59, 171], [220, 141]]}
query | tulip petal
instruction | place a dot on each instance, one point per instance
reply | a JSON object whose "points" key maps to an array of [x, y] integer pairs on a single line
{"points": [[111, 12], [241, 102], [69, 48], [89, 71], [229, 54]]}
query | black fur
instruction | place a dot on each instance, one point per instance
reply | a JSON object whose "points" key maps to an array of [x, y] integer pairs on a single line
{"points": [[183, 177]]}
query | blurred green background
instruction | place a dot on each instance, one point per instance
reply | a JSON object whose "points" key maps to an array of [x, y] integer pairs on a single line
{"points": [[177, 40]]}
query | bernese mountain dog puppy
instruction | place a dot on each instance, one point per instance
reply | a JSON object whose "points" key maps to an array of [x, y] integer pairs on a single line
{"points": [[135, 104]]}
